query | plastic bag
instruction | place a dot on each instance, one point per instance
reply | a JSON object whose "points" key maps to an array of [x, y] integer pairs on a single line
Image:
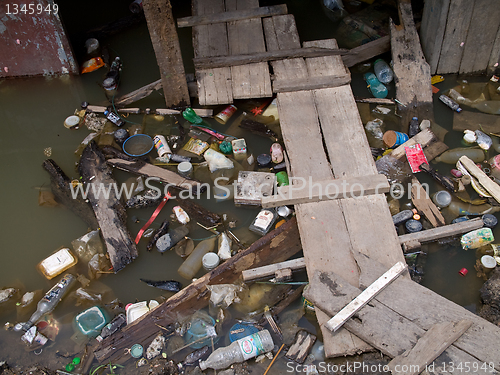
{"points": [[333, 4], [224, 295], [88, 245], [217, 161], [375, 128], [225, 243]]}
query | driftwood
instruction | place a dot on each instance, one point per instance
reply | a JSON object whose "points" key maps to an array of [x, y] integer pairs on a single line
{"points": [[60, 186], [108, 209], [276, 246]]}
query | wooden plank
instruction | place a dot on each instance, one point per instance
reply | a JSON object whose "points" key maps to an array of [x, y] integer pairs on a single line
{"points": [[367, 51], [214, 85], [424, 204], [202, 112], [301, 346], [312, 83], [476, 121], [138, 94], [481, 35], [442, 232], [267, 271], [365, 296], [325, 190], [491, 187], [161, 25], [246, 37], [236, 15], [150, 170], [434, 20], [277, 246], [430, 346], [457, 25], [250, 58], [412, 73], [495, 56], [402, 296]]}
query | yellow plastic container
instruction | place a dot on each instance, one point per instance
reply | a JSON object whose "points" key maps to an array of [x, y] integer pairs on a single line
{"points": [[57, 263]]}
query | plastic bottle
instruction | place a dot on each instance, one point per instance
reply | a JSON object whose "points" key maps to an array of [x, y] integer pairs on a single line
{"points": [[452, 156], [377, 88], [239, 351], [383, 71], [190, 115], [193, 263], [49, 301], [119, 321], [414, 127], [450, 103]]}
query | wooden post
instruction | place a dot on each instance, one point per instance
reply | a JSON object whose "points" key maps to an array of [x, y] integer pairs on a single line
{"points": [[161, 25]]}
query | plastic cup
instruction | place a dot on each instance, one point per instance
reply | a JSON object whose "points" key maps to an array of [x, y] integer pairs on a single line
{"points": [[442, 199], [488, 262], [210, 261], [185, 168]]}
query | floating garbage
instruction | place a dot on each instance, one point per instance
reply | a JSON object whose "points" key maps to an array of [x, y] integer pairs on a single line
{"points": [[90, 322], [136, 310], [168, 285], [264, 221], [154, 349], [57, 263], [193, 262], [477, 238], [118, 322]]}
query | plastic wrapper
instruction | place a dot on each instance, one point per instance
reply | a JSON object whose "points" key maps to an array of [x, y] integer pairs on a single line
{"points": [[483, 140], [375, 128], [217, 161], [97, 265], [88, 245], [46, 199], [224, 295]]}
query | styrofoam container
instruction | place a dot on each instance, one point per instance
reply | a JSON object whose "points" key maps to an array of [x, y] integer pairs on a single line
{"points": [[91, 321], [57, 263], [136, 310]]}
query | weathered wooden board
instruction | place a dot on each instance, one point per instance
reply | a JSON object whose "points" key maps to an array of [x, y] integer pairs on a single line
{"points": [[312, 191], [434, 20], [214, 85], [491, 186], [495, 55], [312, 83], [109, 211], [303, 343], [161, 25], [424, 204], [481, 35], [236, 15], [457, 26], [246, 37], [449, 230], [430, 346], [476, 121], [367, 51], [266, 271], [414, 302], [276, 246], [412, 73]]}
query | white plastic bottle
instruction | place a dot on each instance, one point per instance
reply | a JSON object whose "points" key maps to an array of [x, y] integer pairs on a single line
{"points": [[383, 71], [239, 351]]}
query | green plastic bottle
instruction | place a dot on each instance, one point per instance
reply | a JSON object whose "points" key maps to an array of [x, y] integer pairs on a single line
{"points": [[193, 263], [190, 115]]}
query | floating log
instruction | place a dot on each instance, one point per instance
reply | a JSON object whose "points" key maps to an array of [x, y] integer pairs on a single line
{"points": [[234, 60], [236, 15], [276, 246], [109, 211], [60, 186]]}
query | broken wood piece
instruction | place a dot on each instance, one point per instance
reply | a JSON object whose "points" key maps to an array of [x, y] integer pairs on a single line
{"points": [[291, 296], [195, 211], [366, 295], [383, 101], [202, 112], [442, 232], [411, 246], [284, 274], [430, 346], [278, 245], [101, 109], [300, 348], [311, 83], [142, 168], [109, 211], [367, 51], [312, 191], [489, 185], [234, 60], [138, 94], [269, 271], [230, 16], [424, 204]]}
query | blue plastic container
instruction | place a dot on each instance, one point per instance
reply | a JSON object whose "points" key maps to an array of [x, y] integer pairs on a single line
{"points": [[138, 145], [394, 139]]}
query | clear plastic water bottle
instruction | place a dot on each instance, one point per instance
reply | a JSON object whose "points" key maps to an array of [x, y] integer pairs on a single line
{"points": [[239, 351], [383, 71]]}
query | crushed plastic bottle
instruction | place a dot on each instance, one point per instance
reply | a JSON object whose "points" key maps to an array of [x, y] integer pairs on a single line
{"points": [[383, 71], [450, 103]]}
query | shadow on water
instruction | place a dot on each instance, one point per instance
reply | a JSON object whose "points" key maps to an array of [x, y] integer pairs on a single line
{"points": [[32, 114]]}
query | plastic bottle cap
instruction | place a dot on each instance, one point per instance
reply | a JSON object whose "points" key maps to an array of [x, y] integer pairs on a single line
{"points": [[210, 260], [470, 137], [71, 121], [185, 167], [488, 261], [264, 160]]}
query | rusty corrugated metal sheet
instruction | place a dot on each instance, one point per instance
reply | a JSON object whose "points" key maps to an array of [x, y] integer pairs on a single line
{"points": [[33, 44]]}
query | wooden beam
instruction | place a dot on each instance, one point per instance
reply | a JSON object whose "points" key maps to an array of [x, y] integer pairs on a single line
{"points": [[491, 187], [327, 190], [365, 296], [434, 19], [383, 101], [367, 51], [278, 245], [311, 83], [233, 60], [167, 49], [138, 94], [442, 232], [430, 346], [274, 10], [424, 204], [268, 271]]}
